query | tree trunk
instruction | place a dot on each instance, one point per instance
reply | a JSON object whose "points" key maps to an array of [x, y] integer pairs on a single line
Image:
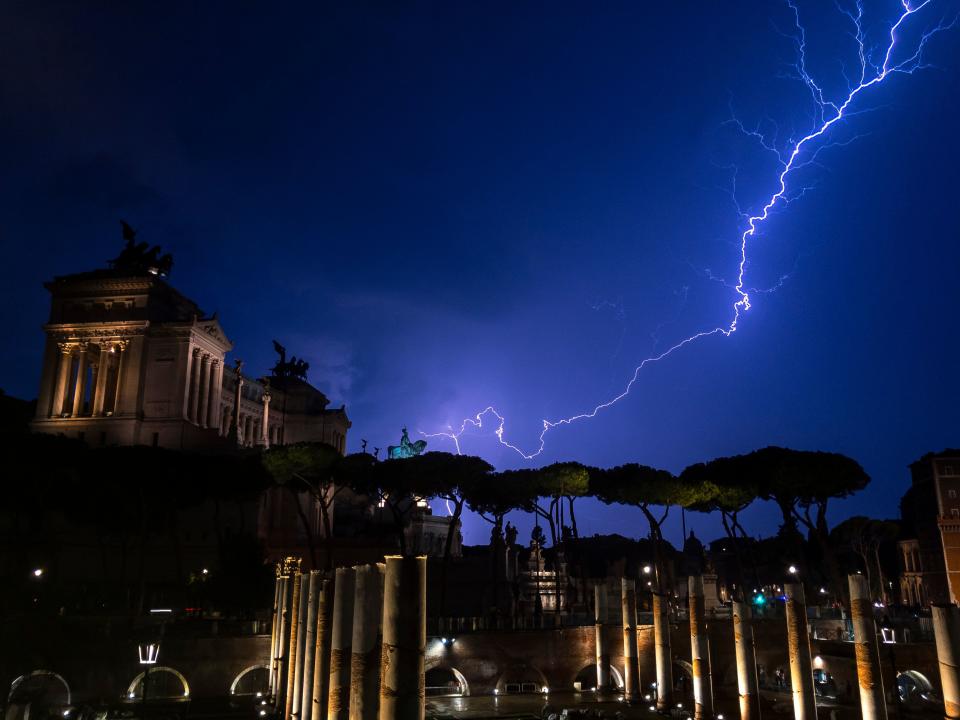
{"points": [[306, 525], [454, 524]]}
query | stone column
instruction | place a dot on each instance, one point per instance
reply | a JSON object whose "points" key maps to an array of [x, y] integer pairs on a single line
{"points": [[946, 631], [237, 394], [321, 665], [603, 652], [404, 639], [283, 642], [798, 647], [211, 415], [873, 704], [292, 645], [310, 647], [341, 635], [216, 390], [203, 390], [747, 684], [661, 642], [121, 354], [100, 389], [631, 666], [302, 612], [274, 630], [699, 650], [63, 375], [366, 643], [80, 387], [265, 423], [194, 386]]}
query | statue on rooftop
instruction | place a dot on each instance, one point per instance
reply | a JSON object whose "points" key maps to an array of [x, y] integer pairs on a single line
{"points": [[293, 368], [406, 449], [140, 258]]}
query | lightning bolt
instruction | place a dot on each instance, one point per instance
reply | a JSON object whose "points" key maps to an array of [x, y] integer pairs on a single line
{"points": [[827, 114]]}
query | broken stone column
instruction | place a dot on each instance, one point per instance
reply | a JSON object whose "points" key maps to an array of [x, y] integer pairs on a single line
{"points": [[341, 634], [294, 614], [946, 631], [747, 683], [873, 705], [603, 653], [283, 641], [274, 631], [798, 648], [309, 648], [631, 665], [404, 639], [661, 641], [366, 644], [301, 656], [699, 651], [321, 664]]}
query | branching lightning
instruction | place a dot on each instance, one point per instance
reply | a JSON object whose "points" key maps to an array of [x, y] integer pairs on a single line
{"points": [[795, 155]]}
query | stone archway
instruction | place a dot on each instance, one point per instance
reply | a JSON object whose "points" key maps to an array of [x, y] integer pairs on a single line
{"points": [[521, 678], [43, 685], [163, 683], [446, 681], [914, 687], [254, 680], [587, 677]]}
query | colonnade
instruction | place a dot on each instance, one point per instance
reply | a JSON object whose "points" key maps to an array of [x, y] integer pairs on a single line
{"points": [[946, 623], [202, 389], [349, 645], [79, 365]]}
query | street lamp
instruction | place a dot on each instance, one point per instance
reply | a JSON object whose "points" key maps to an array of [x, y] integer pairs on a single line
{"points": [[647, 569], [38, 572], [792, 569]]}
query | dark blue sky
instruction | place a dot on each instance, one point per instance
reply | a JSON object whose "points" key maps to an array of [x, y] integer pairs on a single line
{"points": [[450, 205]]}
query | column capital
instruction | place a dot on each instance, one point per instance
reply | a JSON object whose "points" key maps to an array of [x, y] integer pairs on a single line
{"points": [[196, 352], [66, 348]]}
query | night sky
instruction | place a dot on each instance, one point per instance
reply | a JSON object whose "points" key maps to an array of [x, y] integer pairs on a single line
{"points": [[444, 206]]}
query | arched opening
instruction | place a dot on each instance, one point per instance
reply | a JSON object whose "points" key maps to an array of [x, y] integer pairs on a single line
{"points": [[43, 690], [162, 683], [445, 682], [587, 677], [518, 679], [255, 680], [683, 678], [914, 687]]}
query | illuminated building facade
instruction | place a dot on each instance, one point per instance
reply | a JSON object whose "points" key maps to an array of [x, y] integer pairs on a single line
{"points": [[930, 551], [131, 361]]}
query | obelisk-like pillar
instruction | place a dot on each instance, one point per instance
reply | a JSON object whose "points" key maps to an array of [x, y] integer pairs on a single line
{"points": [[340, 638], [309, 647], [631, 665], [873, 705], [946, 631], [798, 648], [603, 652], [290, 689], [699, 650], [404, 639], [366, 644], [661, 642], [321, 665], [746, 652]]}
